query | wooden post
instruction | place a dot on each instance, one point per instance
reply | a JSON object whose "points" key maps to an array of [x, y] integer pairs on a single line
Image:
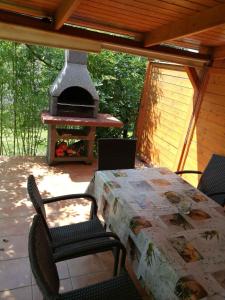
{"points": [[143, 103], [90, 146], [51, 144], [197, 99], [194, 78]]}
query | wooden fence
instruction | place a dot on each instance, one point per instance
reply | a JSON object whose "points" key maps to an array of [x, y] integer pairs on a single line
{"points": [[181, 124]]}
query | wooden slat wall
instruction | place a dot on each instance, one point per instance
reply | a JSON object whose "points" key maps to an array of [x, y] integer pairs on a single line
{"points": [[163, 126], [209, 135]]}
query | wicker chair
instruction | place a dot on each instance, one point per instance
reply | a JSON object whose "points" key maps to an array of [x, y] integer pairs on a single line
{"points": [[45, 272], [115, 153], [212, 181], [73, 240]]}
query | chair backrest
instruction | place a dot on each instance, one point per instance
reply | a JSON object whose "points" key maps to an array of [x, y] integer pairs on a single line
{"points": [[116, 153], [41, 259], [35, 196], [213, 178], [37, 201]]}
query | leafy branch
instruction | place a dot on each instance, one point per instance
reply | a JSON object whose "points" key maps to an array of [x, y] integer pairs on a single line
{"points": [[38, 56]]}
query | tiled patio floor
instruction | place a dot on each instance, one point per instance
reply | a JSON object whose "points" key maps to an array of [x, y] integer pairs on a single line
{"points": [[16, 212]]}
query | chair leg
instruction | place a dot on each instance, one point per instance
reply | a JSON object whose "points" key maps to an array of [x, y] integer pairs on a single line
{"points": [[116, 254]]}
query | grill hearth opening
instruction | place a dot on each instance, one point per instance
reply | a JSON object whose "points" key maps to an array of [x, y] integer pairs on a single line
{"points": [[76, 102]]}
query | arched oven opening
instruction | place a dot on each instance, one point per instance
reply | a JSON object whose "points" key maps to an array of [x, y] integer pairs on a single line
{"points": [[75, 101]]}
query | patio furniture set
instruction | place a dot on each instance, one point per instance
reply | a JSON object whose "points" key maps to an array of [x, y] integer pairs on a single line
{"points": [[167, 227]]}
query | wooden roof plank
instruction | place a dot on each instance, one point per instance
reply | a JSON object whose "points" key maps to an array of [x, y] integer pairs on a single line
{"points": [[121, 18], [163, 55], [64, 11], [199, 22], [219, 52], [30, 7], [36, 31], [93, 24], [128, 9], [23, 9]]}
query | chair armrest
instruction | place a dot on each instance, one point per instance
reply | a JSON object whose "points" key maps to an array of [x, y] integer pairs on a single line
{"points": [[188, 172], [87, 237], [100, 245], [94, 207]]}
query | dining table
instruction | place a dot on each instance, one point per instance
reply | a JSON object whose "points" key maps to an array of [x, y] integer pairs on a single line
{"points": [[173, 233]]}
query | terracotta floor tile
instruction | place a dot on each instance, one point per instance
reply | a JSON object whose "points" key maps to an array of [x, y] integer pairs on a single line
{"points": [[16, 210], [85, 265], [65, 218], [88, 279], [78, 206], [14, 273], [24, 293], [15, 226], [108, 260], [65, 286], [18, 200], [12, 247], [63, 270]]}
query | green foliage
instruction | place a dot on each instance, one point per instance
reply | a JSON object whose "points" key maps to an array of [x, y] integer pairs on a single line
{"points": [[119, 80], [27, 72], [24, 83]]}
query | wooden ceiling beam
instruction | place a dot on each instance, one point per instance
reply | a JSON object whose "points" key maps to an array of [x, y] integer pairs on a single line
{"points": [[64, 11], [182, 58], [40, 31], [23, 9], [89, 24], [197, 23]]}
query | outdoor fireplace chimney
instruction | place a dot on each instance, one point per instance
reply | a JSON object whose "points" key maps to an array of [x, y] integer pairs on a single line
{"points": [[73, 93]]}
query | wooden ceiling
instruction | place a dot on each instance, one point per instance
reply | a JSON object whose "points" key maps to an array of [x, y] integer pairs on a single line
{"points": [[147, 27]]}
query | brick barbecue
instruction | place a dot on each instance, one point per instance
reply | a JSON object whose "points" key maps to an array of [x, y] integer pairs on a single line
{"points": [[73, 112]]}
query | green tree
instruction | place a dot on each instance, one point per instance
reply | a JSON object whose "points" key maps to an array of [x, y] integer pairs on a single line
{"points": [[27, 72], [24, 82], [119, 80]]}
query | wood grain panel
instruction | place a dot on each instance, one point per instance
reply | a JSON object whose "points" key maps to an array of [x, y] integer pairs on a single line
{"points": [[119, 17], [182, 91], [128, 8], [209, 134], [217, 100], [23, 6], [174, 98], [174, 103], [176, 80], [139, 16]]}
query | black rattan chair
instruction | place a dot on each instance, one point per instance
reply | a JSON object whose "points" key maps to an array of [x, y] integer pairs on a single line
{"points": [[116, 153], [46, 276], [73, 240], [212, 181]]}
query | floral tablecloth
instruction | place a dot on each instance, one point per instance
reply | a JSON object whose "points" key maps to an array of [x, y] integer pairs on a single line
{"points": [[174, 255]]}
